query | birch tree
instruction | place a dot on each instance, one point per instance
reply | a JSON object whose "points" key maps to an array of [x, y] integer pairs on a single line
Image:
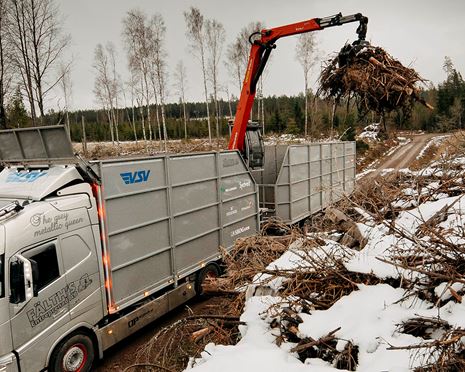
{"points": [[234, 63], [195, 33], [131, 84], [66, 86], [137, 42], [180, 83], [6, 70], [38, 43], [106, 85], [215, 35], [306, 56], [238, 56], [157, 31]]}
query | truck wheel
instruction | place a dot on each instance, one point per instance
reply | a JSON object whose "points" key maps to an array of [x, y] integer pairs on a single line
{"points": [[74, 354], [211, 271]]}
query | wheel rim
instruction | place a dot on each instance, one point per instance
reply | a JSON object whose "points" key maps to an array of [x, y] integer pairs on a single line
{"points": [[75, 358]]}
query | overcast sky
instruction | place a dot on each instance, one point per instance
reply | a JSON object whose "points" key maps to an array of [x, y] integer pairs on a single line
{"points": [[417, 32]]}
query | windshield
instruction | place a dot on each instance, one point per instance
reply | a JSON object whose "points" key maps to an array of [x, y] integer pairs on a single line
{"points": [[2, 273]]}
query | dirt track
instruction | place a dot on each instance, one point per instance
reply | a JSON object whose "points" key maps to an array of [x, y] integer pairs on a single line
{"points": [[405, 155]]}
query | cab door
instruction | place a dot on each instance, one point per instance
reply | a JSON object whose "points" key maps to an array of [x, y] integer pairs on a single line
{"points": [[48, 311], [81, 267]]}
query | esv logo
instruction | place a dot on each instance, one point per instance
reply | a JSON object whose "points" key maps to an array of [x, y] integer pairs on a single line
{"points": [[25, 176], [135, 177]]}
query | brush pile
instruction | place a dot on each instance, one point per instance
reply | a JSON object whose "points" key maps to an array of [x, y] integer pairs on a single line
{"points": [[376, 81]]}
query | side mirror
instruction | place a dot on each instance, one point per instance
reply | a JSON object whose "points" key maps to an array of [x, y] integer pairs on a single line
{"points": [[21, 280], [18, 290]]}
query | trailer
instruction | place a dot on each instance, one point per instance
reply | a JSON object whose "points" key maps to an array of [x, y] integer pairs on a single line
{"points": [[300, 180], [168, 214]]}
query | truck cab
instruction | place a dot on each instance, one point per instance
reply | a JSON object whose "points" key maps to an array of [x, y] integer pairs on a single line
{"points": [[50, 282]]}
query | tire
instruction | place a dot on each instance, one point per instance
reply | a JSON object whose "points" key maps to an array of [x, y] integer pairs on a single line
{"points": [[74, 354], [212, 270]]}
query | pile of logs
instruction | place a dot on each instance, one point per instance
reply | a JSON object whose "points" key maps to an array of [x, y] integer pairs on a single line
{"points": [[377, 81]]}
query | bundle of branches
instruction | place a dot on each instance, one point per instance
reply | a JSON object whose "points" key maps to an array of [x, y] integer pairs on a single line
{"points": [[323, 348], [319, 281], [253, 254], [445, 354], [316, 284], [377, 81]]}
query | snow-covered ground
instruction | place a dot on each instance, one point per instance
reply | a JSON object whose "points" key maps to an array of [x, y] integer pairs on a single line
{"points": [[370, 132], [370, 316], [435, 141]]}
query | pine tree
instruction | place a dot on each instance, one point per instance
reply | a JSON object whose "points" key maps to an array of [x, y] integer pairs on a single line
{"points": [[17, 116]]}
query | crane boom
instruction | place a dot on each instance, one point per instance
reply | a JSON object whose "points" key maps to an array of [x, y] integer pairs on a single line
{"points": [[259, 53]]}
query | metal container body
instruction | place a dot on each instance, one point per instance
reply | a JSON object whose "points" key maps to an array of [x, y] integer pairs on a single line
{"points": [[168, 215], [299, 180]]}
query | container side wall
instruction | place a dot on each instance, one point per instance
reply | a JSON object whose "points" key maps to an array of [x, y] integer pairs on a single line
{"points": [[167, 216], [313, 176]]}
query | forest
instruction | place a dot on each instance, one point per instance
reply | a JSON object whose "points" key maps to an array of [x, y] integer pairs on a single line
{"points": [[138, 107]]}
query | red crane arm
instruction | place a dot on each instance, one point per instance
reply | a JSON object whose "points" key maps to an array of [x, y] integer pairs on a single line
{"points": [[259, 54]]}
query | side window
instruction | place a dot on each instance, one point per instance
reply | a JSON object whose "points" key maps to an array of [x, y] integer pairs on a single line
{"points": [[47, 264]]}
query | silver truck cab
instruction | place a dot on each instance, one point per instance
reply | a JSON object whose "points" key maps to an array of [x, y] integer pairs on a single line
{"points": [[50, 282], [49, 263]]}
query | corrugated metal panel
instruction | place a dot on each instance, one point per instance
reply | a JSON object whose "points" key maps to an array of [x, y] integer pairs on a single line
{"points": [[168, 215], [308, 178]]}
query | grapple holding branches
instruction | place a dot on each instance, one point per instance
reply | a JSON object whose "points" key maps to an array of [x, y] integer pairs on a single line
{"points": [[376, 80]]}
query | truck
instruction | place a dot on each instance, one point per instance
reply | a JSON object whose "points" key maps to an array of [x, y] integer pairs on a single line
{"points": [[91, 252]]}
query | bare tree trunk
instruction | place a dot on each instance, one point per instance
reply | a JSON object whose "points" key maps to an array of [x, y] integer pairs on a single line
{"points": [[180, 84], [24, 60], [229, 103], [84, 139], [262, 107], [333, 114], [157, 112], [195, 32], [147, 107], [163, 119], [134, 123], [143, 124], [314, 115], [110, 122], [217, 120], [144, 135], [206, 100], [185, 118], [157, 117], [306, 106]]}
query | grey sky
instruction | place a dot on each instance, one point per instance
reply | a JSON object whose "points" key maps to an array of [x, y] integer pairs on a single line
{"points": [[416, 32]]}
